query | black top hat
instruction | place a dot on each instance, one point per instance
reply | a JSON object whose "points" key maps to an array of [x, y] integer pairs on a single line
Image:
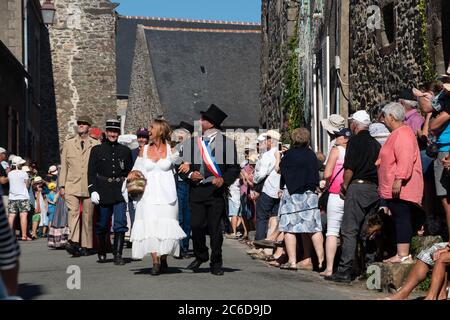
{"points": [[189, 127], [112, 124], [214, 115]]}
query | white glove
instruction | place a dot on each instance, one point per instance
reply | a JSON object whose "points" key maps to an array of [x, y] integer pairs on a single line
{"points": [[125, 191], [95, 197]]}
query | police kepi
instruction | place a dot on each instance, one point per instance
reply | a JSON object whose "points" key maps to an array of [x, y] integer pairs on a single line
{"points": [[109, 165]]}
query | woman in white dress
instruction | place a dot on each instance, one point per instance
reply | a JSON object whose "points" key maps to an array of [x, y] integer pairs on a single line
{"points": [[156, 229]]}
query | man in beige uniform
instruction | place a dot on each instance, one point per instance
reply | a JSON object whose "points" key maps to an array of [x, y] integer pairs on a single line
{"points": [[73, 183]]}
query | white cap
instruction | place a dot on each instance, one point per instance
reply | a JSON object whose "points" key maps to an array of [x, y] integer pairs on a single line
{"points": [[52, 169], [2, 150], [261, 138], [17, 161], [37, 179], [273, 134], [361, 116], [11, 157]]}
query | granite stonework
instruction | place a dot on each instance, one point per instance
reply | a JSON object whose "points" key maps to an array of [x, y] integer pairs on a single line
{"points": [[84, 66], [278, 21], [381, 67]]}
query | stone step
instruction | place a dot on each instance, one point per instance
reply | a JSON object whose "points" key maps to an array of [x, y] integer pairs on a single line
{"points": [[387, 277]]}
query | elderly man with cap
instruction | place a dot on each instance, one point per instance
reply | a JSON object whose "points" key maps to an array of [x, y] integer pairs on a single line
{"points": [[4, 185], [359, 189], [265, 174], [213, 168], [109, 166], [73, 183], [412, 117]]}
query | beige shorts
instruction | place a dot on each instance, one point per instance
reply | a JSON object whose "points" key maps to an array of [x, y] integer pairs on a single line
{"points": [[5, 203]]}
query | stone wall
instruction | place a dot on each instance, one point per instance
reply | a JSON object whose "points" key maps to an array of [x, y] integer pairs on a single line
{"points": [[11, 31], [84, 66], [378, 73], [278, 21], [144, 103]]}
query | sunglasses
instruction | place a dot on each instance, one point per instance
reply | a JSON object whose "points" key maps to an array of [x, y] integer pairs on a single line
{"points": [[81, 123]]}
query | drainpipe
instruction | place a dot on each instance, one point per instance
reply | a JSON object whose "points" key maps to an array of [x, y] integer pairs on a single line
{"points": [[25, 65], [328, 88]]}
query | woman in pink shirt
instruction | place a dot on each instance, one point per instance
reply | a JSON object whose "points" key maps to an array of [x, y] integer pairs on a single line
{"points": [[400, 177]]}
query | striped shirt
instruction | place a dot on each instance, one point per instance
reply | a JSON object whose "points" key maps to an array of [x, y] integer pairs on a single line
{"points": [[9, 248]]}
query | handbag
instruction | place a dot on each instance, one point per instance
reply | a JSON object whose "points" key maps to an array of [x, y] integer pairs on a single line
{"points": [[260, 185], [136, 183], [323, 200]]}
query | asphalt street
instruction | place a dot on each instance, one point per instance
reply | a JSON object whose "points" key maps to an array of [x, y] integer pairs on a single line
{"points": [[52, 274]]}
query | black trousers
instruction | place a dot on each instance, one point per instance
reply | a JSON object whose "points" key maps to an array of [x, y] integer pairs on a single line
{"points": [[207, 216], [358, 201]]}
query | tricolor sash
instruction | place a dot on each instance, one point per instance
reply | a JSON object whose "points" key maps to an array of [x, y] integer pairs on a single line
{"points": [[208, 158]]}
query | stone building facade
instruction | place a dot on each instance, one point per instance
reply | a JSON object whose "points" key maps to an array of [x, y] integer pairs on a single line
{"points": [[279, 19], [83, 60], [23, 36], [391, 56]]}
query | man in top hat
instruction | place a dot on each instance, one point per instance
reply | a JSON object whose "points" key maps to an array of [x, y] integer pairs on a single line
{"points": [[109, 166], [73, 182], [213, 168]]}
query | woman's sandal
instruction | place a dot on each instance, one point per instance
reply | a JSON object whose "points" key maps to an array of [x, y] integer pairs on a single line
{"points": [[289, 266], [26, 239]]}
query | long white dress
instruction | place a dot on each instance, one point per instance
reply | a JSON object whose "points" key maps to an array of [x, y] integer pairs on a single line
{"points": [[156, 227]]}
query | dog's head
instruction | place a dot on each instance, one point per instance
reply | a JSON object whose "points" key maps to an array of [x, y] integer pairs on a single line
{"points": [[373, 224]]}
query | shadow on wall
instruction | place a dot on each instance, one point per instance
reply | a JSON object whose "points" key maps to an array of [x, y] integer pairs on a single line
{"points": [[49, 122]]}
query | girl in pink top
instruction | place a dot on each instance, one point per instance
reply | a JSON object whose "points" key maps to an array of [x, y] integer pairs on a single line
{"points": [[400, 177]]}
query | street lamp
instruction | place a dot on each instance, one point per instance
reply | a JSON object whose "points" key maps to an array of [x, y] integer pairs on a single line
{"points": [[48, 12]]}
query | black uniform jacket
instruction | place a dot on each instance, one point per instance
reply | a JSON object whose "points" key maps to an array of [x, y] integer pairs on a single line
{"points": [[109, 165]]}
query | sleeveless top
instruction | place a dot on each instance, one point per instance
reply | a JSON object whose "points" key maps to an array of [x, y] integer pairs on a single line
{"points": [[160, 188], [336, 186]]}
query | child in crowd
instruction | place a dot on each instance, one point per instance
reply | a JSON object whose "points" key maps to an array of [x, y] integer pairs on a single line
{"points": [[40, 218], [52, 198]]}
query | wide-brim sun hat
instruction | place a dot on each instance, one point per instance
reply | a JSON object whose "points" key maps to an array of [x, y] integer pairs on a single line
{"points": [[333, 123]]}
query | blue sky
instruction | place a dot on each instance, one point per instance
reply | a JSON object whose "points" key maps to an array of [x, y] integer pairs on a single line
{"points": [[228, 10]]}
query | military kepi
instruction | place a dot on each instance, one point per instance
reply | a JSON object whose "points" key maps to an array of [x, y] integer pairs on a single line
{"points": [[112, 124]]}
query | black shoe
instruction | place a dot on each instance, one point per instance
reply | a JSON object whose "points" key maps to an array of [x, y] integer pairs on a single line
{"points": [[340, 277], [217, 271], [87, 252], [118, 260], [101, 258], [164, 266], [72, 247], [194, 265], [156, 270]]}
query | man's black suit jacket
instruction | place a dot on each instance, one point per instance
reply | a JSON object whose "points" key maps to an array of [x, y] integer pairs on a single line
{"points": [[224, 150]]}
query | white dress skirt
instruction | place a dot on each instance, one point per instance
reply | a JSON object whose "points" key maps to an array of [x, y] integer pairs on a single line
{"points": [[156, 228]]}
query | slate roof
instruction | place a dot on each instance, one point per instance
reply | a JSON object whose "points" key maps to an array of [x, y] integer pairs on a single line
{"points": [[196, 64]]}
